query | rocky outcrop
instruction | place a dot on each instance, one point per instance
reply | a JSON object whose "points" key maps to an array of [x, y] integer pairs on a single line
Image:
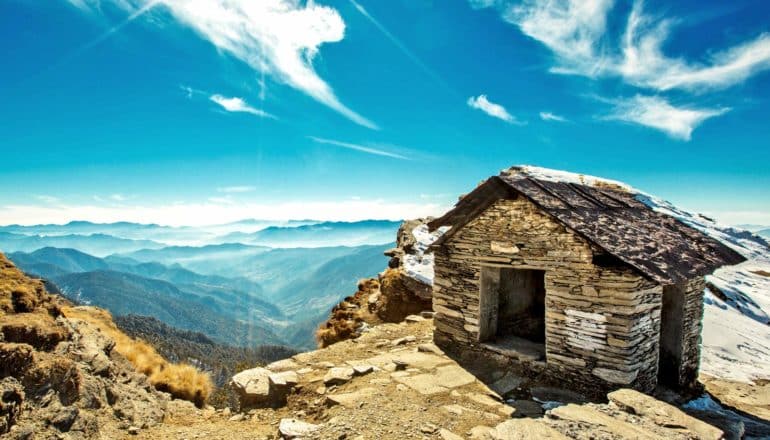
{"points": [[60, 377], [404, 289]]}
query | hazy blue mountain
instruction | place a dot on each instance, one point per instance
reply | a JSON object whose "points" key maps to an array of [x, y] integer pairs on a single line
{"points": [[124, 294], [178, 275], [197, 257], [308, 299], [94, 244], [321, 234], [315, 291], [229, 294], [752, 227], [169, 235], [67, 260], [764, 233]]}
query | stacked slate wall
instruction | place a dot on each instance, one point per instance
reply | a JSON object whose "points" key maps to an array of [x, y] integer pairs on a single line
{"points": [[691, 332], [602, 323]]}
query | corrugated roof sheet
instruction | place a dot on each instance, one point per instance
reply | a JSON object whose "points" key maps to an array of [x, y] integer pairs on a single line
{"points": [[657, 245]]}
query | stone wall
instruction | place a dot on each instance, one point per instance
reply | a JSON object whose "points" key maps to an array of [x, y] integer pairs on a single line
{"points": [[602, 323], [691, 332]]}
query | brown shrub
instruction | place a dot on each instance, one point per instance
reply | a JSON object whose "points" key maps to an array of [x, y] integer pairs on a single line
{"points": [[182, 381], [23, 300], [37, 329], [334, 331], [15, 359]]}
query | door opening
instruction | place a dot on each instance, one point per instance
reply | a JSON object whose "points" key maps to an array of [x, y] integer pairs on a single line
{"points": [[512, 304], [671, 327]]}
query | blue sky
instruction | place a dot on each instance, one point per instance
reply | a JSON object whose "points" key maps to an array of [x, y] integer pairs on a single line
{"points": [[190, 112]]}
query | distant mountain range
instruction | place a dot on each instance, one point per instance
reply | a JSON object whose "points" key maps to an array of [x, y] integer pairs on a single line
{"points": [[343, 233], [94, 244], [238, 293], [320, 234]]}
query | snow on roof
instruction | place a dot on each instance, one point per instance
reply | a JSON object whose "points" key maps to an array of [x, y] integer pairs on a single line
{"points": [[551, 175]]}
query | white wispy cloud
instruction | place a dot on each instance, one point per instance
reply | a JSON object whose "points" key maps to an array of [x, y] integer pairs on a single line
{"points": [[118, 197], [495, 110], [280, 38], [236, 189], [236, 104], [548, 116], [644, 64], [362, 148], [572, 29], [655, 112], [47, 199], [576, 32], [227, 200]]}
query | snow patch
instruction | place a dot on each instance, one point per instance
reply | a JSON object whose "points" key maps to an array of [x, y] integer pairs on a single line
{"points": [[419, 264], [550, 175]]}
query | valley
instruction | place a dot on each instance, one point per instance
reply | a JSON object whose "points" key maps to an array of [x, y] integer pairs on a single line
{"points": [[271, 288]]}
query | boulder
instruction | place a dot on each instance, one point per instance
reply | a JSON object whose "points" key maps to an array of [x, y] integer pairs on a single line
{"points": [[293, 428], [661, 413], [360, 370], [404, 340], [446, 434], [524, 429], [338, 375], [480, 432], [283, 365], [261, 388], [284, 379], [350, 400]]}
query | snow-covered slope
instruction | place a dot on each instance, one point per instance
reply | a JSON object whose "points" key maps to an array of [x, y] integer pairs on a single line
{"points": [[736, 325]]}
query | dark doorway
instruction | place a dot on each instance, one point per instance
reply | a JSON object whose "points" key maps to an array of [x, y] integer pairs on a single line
{"points": [[512, 304], [670, 359]]}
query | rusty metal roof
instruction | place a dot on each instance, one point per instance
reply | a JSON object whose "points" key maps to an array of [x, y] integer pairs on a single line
{"points": [[657, 245]]}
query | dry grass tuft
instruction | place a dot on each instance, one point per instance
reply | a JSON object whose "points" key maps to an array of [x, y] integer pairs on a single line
{"points": [[762, 273], [610, 186], [182, 381], [335, 330], [348, 315]]}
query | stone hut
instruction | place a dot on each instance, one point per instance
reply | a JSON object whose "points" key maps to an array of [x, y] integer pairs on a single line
{"points": [[583, 282]]}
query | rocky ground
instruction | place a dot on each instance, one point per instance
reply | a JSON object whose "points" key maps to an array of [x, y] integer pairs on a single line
{"points": [[393, 383], [59, 376]]}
